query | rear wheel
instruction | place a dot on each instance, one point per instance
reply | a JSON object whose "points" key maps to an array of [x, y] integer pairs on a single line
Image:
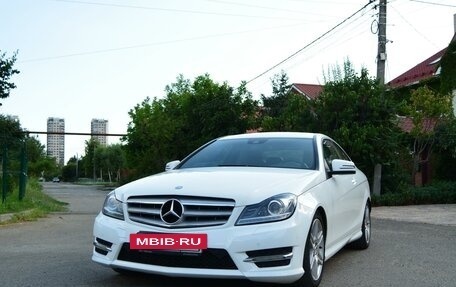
{"points": [[364, 241], [314, 254]]}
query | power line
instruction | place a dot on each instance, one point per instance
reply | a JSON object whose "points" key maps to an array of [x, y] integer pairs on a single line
{"points": [[170, 10], [337, 2], [413, 27], [311, 43], [264, 7], [101, 51], [72, 134], [349, 34], [433, 3]]}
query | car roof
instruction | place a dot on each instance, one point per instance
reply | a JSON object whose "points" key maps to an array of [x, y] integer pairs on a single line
{"points": [[273, 135]]}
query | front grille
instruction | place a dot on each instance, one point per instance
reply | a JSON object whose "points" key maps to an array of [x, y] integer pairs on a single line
{"points": [[198, 211], [208, 259]]}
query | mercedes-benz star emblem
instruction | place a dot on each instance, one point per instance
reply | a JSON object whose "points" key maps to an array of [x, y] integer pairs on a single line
{"points": [[171, 211]]}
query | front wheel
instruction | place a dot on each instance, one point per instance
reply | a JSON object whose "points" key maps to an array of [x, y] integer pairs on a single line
{"points": [[314, 254]]}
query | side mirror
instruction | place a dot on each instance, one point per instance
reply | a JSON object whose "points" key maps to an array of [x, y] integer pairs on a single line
{"points": [[171, 165], [339, 166]]}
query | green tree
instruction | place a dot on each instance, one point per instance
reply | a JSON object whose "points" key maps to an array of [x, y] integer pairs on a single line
{"points": [[88, 160], [35, 150], [428, 109], [100, 160], [191, 114], [69, 171], [39, 164], [285, 110], [448, 74], [72, 170], [6, 72], [11, 133], [150, 138], [11, 137], [110, 160], [275, 104], [446, 150], [117, 161], [357, 112], [210, 110]]}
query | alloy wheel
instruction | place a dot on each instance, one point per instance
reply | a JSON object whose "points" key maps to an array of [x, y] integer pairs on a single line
{"points": [[316, 249]]}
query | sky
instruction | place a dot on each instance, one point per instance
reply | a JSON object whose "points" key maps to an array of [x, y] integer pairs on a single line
{"points": [[87, 59]]}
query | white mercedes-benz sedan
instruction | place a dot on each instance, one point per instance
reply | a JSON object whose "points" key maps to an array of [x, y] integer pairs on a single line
{"points": [[267, 207]]}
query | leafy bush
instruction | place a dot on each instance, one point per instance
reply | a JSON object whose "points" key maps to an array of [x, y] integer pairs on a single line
{"points": [[439, 192]]}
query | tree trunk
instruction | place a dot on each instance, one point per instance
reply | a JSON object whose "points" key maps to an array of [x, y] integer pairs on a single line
{"points": [[416, 174]]}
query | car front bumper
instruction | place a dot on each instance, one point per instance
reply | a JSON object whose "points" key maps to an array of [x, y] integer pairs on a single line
{"points": [[270, 252]]}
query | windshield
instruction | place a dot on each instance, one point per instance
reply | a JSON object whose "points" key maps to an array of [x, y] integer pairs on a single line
{"points": [[258, 152]]}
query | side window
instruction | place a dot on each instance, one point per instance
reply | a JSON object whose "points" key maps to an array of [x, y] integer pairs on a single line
{"points": [[328, 153], [341, 153], [333, 151]]}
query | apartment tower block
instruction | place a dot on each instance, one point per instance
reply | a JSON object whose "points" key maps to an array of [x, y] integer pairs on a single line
{"points": [[56, 139], [99, 126]]}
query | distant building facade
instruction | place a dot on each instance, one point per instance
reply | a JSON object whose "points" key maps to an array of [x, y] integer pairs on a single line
{"points": [[99, 126], [13, 118], [56, 142]]}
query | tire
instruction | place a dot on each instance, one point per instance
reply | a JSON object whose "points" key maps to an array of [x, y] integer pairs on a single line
{"points": [[364, 241], [314, 254]]}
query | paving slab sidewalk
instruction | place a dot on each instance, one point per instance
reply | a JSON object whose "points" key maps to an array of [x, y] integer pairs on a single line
{"points": [[441, 214]]}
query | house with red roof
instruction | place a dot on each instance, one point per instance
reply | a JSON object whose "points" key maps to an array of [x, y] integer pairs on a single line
{"points": [[427, 72], [310, 91]]}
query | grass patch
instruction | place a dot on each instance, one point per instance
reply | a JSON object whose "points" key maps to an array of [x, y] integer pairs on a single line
{"points": [[34, 205], [440, 192]]}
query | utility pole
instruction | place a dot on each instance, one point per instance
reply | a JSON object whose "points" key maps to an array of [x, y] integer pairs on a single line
{"points": [[381, 55], [381, 60]]}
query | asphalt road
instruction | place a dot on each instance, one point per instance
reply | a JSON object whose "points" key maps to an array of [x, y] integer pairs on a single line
{"points": [[56, 251]]}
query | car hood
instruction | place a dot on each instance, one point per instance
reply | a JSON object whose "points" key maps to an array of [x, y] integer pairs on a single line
{"points": [[246, 185]]}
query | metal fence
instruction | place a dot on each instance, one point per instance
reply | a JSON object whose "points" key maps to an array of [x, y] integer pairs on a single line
{"points": [[7, 174]]}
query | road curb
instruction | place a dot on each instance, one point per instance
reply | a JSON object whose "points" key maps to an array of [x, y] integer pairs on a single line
{"points": [[8, 216]]}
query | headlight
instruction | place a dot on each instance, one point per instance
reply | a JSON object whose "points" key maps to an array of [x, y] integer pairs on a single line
{"points": [[275, 208], [113, 207]]}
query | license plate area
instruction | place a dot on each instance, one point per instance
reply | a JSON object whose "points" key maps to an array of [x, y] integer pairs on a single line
{"points": [[169, 242]]}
